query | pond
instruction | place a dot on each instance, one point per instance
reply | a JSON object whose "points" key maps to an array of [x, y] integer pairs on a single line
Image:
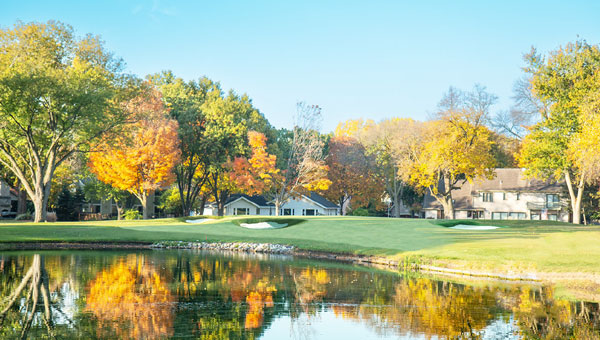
{"points": [[205, 295]]}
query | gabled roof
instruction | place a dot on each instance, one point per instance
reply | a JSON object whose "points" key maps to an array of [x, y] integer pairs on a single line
{"points": [[505, 180], [320, 200], [257, 200]]}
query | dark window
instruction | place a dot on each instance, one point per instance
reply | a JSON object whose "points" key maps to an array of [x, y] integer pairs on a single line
{"points": [[552, 201], [488, 197], [504, 196], [287, 212], [242, 211], [309, 212], [518, 196]]}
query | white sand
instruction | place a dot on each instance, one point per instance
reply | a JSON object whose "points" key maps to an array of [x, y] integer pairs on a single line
{"points": [[200, 220], [263, 225], [473, 227]]}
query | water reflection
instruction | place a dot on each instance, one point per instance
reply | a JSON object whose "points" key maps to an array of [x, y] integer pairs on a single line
{"points": [[164, 294]]}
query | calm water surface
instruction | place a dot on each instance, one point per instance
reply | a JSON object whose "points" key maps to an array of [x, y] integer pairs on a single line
{"points": [[200, 295]]}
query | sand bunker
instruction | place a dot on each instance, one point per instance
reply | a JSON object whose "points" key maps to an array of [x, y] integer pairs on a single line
{"points": [[200, 220], [263, 225], [473, 227]]}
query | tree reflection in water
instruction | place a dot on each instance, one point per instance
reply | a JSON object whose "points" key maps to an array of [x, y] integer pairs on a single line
{"points": [[159, 295], [131, 300]]}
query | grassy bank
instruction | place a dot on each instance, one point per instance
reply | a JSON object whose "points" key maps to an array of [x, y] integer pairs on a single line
{"points": [[554, 251]]}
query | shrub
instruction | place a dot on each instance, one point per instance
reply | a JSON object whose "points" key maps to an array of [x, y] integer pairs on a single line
{"points": [[51, 217], [132, 215], [360, 212], [24, 217]]}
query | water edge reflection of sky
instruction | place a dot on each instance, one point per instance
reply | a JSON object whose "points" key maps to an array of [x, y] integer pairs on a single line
{"points": [[200, 295]]}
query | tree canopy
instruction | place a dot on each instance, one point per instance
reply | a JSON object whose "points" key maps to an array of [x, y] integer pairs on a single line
{"points": [[58, 94]]}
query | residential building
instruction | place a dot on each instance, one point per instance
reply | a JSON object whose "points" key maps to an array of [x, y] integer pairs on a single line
{"points": [[311, 204], [8, 200], [509, 195]]}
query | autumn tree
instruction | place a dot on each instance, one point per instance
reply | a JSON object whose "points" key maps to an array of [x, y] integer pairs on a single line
{"points": [[564, 83], [140, 160], [456, 147], [353, 174], [259, 173], [305, 168], [213, 126], [58, 95], [394, 143], [185, 101]]}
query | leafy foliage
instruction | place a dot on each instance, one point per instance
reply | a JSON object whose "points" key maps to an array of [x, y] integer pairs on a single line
{"points": [[58, 95], [141, 160]]}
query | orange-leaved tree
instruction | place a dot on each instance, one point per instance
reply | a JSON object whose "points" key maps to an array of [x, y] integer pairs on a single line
{"points": [[142, 158], [353, 174], [257, 174]]}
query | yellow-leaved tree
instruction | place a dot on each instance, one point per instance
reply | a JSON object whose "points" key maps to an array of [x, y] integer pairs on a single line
{"points": [[142, 158], [457, 147]]}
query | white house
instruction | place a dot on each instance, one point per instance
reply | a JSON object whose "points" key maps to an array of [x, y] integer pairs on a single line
{"points": [[311, 204], [509, 195]]}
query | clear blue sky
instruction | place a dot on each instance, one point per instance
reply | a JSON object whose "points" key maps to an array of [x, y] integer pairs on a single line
{"points": [[370, 59]]}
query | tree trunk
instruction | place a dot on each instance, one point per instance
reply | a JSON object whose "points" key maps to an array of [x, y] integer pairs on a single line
{"points": [[220, 209], [144, 201], [396, 210], [40, 206], [575, 197], [22, 201], [202, 203], [277, 207], [119, 211], [448, 207]]}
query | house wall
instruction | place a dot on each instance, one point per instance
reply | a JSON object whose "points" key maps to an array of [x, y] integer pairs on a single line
{"points": [[4, 197], [300, 204], [241, 203], [508, 202], [431, 214]]}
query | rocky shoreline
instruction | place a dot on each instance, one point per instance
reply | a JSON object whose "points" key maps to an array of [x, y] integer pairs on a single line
{"points": [[248, 247]]}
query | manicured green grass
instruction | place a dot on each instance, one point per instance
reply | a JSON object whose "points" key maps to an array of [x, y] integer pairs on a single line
{"points": [[518, 246]]}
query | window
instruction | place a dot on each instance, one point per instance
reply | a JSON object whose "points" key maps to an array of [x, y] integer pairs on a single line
{"points": [[499, 216], [535, 215], [242, 211], [287, 212], [488, 197], [504, 196], [474, 214], [552, 217], [517, 216], [258, 211], [518, 196], [552, 201], [309, 212]]}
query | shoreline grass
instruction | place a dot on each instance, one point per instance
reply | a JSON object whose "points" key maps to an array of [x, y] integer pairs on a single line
{"points": [[557, 252]]}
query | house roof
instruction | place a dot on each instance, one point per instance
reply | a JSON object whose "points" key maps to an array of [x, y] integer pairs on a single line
{"points": [[313, 196], [505, 180], [257, 200], [260, 201]]}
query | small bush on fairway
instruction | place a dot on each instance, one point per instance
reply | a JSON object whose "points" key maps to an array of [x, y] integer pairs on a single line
{"points": [[132, 215]]}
